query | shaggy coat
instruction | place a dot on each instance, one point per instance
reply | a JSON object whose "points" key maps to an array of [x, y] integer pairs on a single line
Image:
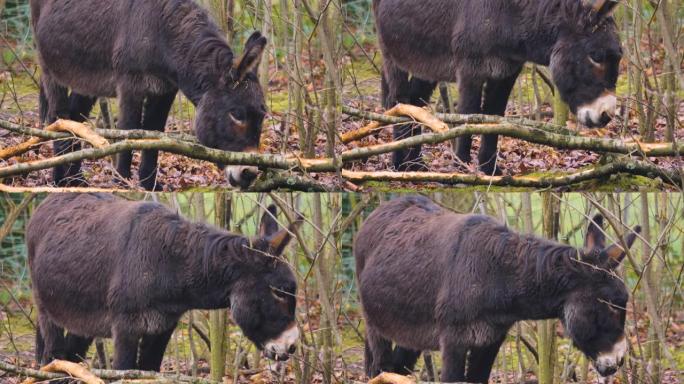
{"points": [[143, 52], [430, 279], [483, 45], [106, 267]]}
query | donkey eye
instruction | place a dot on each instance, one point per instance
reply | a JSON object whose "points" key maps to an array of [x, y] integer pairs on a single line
{"points": [[280, 294], [238, 114], [597, 57]]}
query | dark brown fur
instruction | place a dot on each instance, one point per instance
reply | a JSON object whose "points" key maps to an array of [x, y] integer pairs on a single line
{"points": [[143, 52], [106, 267], [483, 45], [430, 279]]}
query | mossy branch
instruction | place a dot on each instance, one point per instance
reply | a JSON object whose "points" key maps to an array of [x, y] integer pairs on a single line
{"points": [[623, 165], [278, 162]]}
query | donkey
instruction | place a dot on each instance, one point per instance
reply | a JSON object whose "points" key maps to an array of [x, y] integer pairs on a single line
{"points": [[483, 45], [430, 279], [105, 267], [144, 52]]}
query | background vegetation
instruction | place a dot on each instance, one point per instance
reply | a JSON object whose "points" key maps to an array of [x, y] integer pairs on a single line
{"points": [[328, 312]]}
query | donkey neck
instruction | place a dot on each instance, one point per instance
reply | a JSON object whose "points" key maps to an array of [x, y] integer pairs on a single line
{"points": [[543, 23], [549, 274], [210, 270], [199, 53]]}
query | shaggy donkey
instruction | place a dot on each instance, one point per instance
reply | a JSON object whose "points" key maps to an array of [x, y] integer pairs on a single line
{"points": [[430, 279], [144, 52], [483, 44], [105, 267]]}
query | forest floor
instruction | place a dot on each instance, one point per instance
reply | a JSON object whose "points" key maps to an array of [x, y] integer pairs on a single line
{"points": [[17, 342], [19, 99]]}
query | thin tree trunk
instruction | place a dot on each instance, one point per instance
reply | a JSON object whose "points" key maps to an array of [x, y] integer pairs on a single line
{"points": [[546, 344]]}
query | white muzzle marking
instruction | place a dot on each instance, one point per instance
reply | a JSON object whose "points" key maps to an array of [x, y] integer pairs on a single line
{"points": [[235, 173], [613, 358], [590, 114], [281, 345]]}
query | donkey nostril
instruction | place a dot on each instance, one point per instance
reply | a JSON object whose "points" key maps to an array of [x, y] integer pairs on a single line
{"points": [[248, 175], [605, 118], [292, 349]]}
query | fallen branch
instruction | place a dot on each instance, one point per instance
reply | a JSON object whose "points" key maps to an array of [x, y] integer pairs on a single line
{"points": [[12, 189], [65, 126], [394, 378], [415, 113], [449, 118], [191, 150], [111, 134], [289, 182], [533, 135], [73, 370], [391, 378], [104, 374], [628, 166]]}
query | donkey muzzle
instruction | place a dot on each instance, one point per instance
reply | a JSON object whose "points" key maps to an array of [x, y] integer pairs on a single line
{"points": [[241, 176], [607, 363], [599, 112], [280, 348]]}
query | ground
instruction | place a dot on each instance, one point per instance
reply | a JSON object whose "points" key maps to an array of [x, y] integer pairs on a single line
{"points": [[17, 342], [516, 157]]}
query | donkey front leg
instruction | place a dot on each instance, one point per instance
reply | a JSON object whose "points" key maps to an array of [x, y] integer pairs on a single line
{"points": [[496, 94], [481, 360], [378, 353], [77, 347], [156, 112], [404, 360], [396, 89], [469, 102], [152, 348], [79, 110], [453, 358], [50, 343], [130, 117], [125, 349]]}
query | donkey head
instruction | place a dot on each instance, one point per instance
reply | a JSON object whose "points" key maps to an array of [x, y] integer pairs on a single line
{"points": [[585, 63], [263, 300], [230, 115], [594, 314]]}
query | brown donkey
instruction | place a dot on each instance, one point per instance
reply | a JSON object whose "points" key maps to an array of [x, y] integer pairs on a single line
{"points": [[483, 45], [106, 267], [430, 279], [143, 52]]}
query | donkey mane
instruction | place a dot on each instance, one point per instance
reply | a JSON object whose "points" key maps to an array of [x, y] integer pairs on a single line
{"points": [[559, 14], [202, 53], [544, 259]]}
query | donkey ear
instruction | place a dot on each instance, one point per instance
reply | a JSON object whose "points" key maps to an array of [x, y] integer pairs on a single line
{"points": [[278, 241], [615, 253], [268, 225], [254, 50], [595, 237], [604, 8]]}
